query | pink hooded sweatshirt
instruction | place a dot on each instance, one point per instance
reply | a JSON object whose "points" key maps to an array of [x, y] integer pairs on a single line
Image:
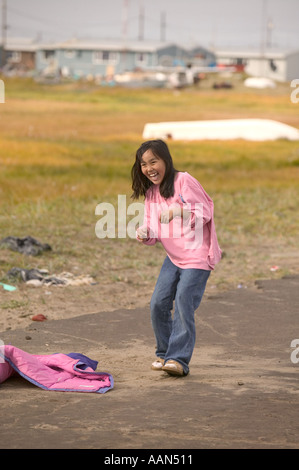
{"points": [[191, 241], [72, 372]]}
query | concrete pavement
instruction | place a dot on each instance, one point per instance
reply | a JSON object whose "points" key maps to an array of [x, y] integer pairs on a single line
{"points": [[242, 391]]}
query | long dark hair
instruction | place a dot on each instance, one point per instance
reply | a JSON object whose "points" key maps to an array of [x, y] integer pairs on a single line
{"points": [[140, 183]]}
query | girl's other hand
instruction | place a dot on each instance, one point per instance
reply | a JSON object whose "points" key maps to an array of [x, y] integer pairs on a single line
{"points": [[141, 233], [166, 216]]}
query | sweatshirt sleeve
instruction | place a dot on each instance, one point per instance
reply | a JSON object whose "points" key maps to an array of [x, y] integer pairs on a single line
{"points": [[193, 193], [196, 201], [149, 223]]}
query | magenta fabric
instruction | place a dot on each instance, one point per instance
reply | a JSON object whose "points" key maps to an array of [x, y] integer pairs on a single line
{"points": [[60, 372]]}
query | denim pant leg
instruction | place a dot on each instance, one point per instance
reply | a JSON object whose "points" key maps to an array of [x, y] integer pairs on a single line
{"points": [[190, 289], [162, 304]]}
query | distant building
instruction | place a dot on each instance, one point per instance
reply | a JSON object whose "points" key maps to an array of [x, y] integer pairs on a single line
{"points": [[19, 55], [201, 57], [276, 65], [172, 55], [79, 58]]}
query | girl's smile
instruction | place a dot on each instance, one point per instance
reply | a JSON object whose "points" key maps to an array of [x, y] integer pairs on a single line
{"points": [[153, 167]]}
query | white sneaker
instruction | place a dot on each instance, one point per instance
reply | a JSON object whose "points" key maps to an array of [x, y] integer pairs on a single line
{"points": [[173, 368], [158, 364]]}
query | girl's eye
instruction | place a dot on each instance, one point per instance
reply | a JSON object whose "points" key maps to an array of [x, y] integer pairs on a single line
{"points": [[152, 162]]}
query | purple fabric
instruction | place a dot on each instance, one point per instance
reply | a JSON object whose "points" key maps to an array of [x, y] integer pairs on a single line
{"points": [[84, 361]]}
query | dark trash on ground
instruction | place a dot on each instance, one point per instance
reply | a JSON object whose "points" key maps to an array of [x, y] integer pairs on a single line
{"points": [[218, 86], [27, 275], [27, 245], [40, 277]]}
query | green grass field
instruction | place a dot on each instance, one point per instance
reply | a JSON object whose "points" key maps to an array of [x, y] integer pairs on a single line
{"points": [[66, 148]]}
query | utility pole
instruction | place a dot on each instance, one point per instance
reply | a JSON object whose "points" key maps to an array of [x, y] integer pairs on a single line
{"points": [[4, 29], [163, 27], [141, 23], [125, 19], [263, 38], [263, 27], [270, 27]]}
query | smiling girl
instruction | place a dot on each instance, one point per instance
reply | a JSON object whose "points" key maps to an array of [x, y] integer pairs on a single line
{"points": [[177, 200]]}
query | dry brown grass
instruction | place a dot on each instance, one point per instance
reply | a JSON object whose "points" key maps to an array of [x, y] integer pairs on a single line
{"points": [[64, 149]]}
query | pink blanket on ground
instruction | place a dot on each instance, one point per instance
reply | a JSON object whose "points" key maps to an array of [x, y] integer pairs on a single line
{"points": [[72, 372]]}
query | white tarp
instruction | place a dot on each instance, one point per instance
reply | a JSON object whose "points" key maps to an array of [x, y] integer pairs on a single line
{"points": [[259, 82], [227, 129]]}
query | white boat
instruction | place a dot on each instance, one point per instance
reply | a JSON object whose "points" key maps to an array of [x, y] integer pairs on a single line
{"points": [[226, 129]]}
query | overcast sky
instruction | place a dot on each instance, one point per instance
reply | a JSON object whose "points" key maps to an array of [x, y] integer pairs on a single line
{"points": [[210, 23]]}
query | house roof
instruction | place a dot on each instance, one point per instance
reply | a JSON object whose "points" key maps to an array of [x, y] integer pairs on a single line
{"points": [[255, 53], [21, 44], [32, 45], [29, 44], [116, 45]]}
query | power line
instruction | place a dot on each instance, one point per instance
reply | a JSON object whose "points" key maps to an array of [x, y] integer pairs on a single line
{"points": [[33, 17], [4, 32]]}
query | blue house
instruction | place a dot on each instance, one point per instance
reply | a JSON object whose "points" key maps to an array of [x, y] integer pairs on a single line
{"points": [[80, 58]]}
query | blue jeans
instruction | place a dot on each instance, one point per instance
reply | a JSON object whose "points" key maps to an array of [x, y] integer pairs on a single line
{"points": [[176, 336]]}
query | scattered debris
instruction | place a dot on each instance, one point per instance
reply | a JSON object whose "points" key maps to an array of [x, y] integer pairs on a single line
{"points": [[39, 277], [274, 268], [8, 287], [39, 317], [140, 79], [218, 86], [27, 245], [241, 286]]}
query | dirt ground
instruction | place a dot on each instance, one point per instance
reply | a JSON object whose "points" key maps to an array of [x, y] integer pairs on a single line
{"points": [[131, 291], [57, 303], [241, 393]]}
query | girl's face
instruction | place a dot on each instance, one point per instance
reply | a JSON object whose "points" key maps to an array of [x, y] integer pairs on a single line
{"points": [[153, 167]]}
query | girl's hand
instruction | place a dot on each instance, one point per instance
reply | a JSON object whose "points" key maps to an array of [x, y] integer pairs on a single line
{"points": [[141, 233], [169, 214], [166, 216]]}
